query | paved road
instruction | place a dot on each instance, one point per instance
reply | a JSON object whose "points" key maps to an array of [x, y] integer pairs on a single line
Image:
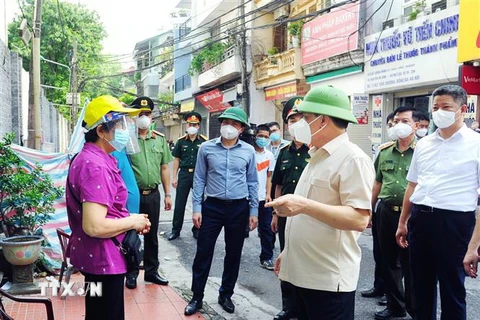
{"points": [[257, 294]]}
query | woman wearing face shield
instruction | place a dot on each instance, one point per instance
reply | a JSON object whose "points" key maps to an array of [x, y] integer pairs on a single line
{"points": [[96, 199]]}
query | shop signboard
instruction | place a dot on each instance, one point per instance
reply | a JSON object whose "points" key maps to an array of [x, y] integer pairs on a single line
{"points": [[213, 100], [377, 120], [331, 34], [360, 107], [416, 53], [281, 92], [470, 79]]}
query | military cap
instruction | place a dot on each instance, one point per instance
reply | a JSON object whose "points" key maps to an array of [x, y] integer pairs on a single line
{"points": [[193, 117], [143, 103], [290, 108]]}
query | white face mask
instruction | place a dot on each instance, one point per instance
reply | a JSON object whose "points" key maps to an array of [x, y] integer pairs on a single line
{"points": [[143, 122], [301, 130], [192, 130], [444, 119], [229, 132], [422, 132], [392, 134], [402, 130]]}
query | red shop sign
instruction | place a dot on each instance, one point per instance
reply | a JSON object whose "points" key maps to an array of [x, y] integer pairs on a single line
{"points": [[470, 79], [331, 34], [213, 100]]}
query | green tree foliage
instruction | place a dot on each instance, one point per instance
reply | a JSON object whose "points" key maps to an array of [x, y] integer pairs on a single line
{"points": [[63, 23], [26, 198]]}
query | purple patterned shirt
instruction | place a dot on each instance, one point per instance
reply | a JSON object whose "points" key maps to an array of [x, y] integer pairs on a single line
{"points": [[95, 177]]}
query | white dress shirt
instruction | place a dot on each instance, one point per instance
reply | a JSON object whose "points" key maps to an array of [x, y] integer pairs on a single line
{"points": [[447, 171]]}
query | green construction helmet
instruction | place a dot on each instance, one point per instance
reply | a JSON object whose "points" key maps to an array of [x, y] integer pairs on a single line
{"points": [[234, 113], [329, 101]]}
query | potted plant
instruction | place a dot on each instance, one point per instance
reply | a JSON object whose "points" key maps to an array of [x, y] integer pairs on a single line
{"points": [[271, 55], [418, 8], [295, 29], [26, 202]]}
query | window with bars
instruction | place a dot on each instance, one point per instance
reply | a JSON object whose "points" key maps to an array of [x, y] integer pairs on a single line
{"points": [[280, 37]]}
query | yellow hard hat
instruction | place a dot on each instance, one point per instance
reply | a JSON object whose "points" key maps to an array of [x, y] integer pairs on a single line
{"points": [[100, 106]]}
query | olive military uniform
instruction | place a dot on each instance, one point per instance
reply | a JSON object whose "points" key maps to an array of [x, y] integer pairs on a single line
{"points": [[288, 169], [391, 168], [146, 165], [186, 150]]}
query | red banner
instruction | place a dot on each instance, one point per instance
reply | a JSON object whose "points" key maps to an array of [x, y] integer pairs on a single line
{"points": [[213, 100], [470, 79], [281, 92], [331, 34]]}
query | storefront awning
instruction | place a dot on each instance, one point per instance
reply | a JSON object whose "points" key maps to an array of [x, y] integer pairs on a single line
{"points": [[213, 100]]}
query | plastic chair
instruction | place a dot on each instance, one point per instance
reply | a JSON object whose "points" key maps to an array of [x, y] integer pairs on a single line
{"points": [[68, 269], [46, 301]]}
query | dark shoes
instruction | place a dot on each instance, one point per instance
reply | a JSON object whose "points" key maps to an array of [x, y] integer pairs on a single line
{"points": [[226, 303], [192, 307], [387, 314], [131, 283], [195, 232], [156, 278], [284, 315], [382, 301], [372, 293], [174, 235]]}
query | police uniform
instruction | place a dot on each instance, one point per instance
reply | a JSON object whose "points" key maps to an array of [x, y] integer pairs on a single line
{"points": [[185, 151], [154, 153], [391, 167], [288, 169]]}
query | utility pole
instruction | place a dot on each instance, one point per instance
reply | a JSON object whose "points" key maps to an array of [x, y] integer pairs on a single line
{"points": [[74, 87], [36, 74], [243, 56]]}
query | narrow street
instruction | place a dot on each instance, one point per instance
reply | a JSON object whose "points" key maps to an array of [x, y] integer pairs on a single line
{"points": [[257, 294]]}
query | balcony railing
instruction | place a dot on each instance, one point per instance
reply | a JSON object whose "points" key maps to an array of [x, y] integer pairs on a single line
{"points": [[278, 64], [229, 52]]}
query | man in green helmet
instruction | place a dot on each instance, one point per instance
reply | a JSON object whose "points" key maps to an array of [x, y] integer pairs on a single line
{"points": [[226, 173], [330, 208]]}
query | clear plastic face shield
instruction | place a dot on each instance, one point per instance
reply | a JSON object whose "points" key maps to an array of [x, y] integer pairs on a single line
{"points": [[124, 131]]}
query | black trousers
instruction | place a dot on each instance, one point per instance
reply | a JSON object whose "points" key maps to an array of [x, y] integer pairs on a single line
{"points": [[395, 262], [324, 305], [110, 306], [378, 283], [150, 205], [217, 214], [438, 241], [185, 183], [265, 230]]}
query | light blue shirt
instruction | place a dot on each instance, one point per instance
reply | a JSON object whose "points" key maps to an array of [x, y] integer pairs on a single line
{"points": [[225, 173], [276, 149], [126, 171]]}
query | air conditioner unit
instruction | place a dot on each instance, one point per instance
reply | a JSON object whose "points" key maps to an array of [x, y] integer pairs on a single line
{"points": [[281, 13]]}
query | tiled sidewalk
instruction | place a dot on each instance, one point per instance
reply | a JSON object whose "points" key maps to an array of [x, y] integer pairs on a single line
{"points": [[147, 301]]}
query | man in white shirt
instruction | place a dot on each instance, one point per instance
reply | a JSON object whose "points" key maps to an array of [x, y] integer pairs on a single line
{"points": [[329, 210], [265, 166], [439, 206]]}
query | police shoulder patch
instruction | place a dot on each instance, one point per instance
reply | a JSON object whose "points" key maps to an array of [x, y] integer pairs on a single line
{"points": [[158, 133], [386, 145]]}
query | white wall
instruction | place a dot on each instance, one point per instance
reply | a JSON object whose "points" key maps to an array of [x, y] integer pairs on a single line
{"points": [[261, 111], [350, 84]]}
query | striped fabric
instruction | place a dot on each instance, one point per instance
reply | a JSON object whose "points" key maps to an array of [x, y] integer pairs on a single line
{"points": [[56, 166]]}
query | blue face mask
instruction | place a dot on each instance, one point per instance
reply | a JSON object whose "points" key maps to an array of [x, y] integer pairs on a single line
{"points": [[262, 142], [275, 136], [121, 139]]}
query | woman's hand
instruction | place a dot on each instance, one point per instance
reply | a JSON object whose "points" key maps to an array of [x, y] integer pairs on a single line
{"points": [[141, 223]]}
